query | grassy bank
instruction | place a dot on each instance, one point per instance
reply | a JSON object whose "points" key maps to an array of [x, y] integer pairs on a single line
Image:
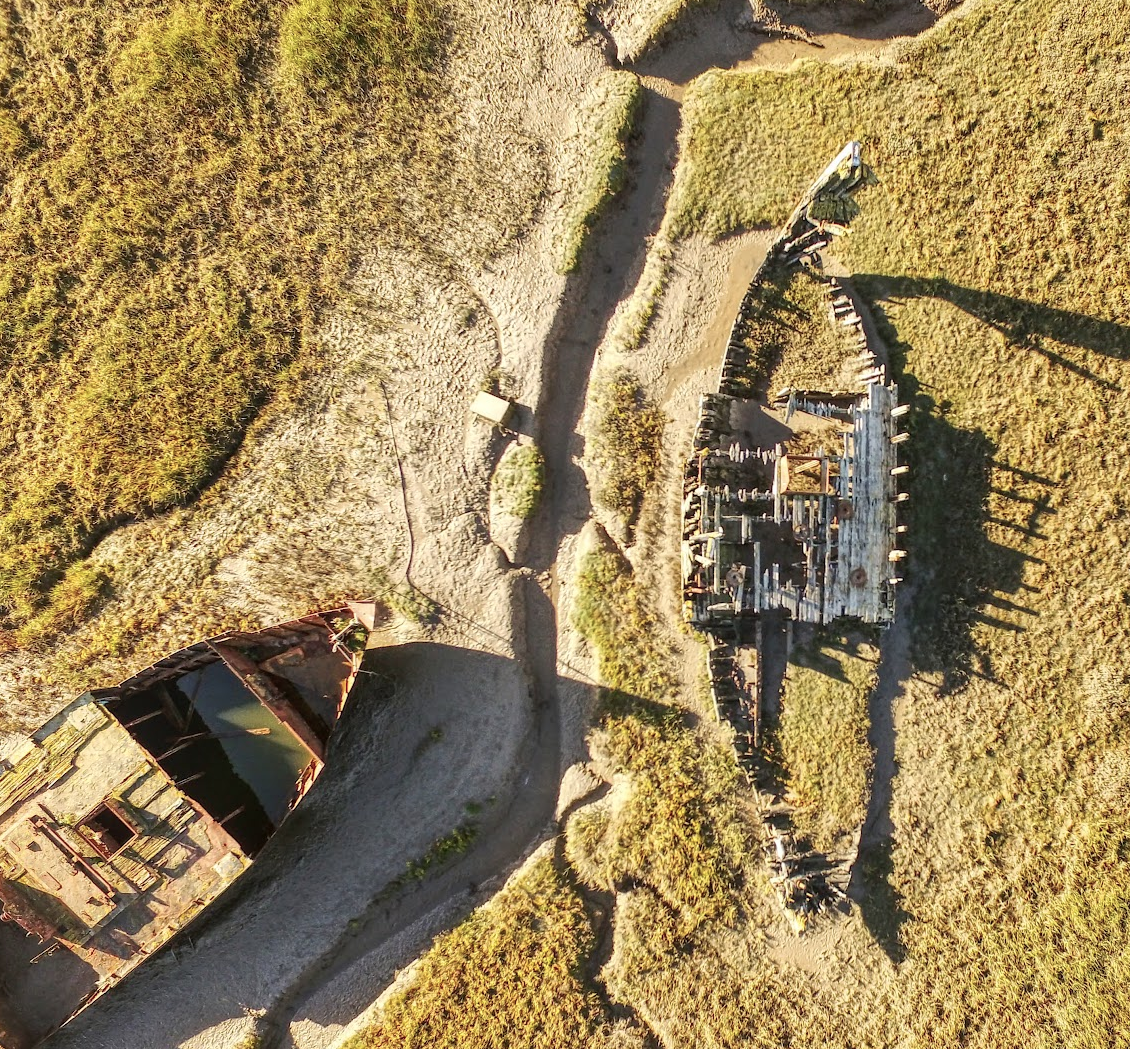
{"points": [[595, 165], [992, 253], [673, 822], [509, 975]]}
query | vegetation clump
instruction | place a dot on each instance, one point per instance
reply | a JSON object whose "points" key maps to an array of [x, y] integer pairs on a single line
{"points": [[821, 739], [349, 47], [519, 480], [595, 159], [615, 617], [676, 827], [626, 435]]}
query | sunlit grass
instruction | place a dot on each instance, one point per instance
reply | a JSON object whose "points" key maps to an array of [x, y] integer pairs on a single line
{"points": [[173, 228], [821, 739], [596, 162], [508, 975]]}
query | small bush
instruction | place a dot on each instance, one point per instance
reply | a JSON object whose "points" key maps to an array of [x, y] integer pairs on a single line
{"points": [[627, 433], [519, 480]]}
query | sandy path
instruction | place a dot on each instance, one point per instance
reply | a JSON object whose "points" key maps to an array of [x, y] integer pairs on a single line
{"points": [[612, 268]]}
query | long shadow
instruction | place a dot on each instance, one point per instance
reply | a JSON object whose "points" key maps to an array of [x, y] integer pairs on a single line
{"points": [[1023, 322], [955, 569]]}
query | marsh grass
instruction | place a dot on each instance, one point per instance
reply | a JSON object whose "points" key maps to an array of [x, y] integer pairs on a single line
{"points": [[624, 441], [595, 162], [185, 199], [511, 974], [677, 843], [992, 254], [820, 740], [676, 826]]}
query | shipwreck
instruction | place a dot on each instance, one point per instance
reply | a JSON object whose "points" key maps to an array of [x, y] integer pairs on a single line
{"points": [[811, 533], [127, 814], [798, 531]]}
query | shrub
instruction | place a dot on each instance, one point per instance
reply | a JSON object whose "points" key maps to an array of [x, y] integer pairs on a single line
{"points": [[627, 432], [519, 480]]}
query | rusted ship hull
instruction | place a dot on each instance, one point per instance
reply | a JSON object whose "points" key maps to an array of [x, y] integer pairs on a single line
{"points": [[130, 812]]}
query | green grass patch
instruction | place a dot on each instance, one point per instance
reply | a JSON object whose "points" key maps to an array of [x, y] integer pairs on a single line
{"points": [[182, 61], [821, 738], [509, 975], [350, 47], [519, 480], [454, 844], [624, 441], [180, 218], [595, 162]]}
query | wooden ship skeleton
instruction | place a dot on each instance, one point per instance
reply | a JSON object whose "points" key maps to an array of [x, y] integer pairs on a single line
{"points": [[813, 535], [810, 535]]}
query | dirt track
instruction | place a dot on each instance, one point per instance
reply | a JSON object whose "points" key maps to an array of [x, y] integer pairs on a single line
{"points": [[304, 940]]}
